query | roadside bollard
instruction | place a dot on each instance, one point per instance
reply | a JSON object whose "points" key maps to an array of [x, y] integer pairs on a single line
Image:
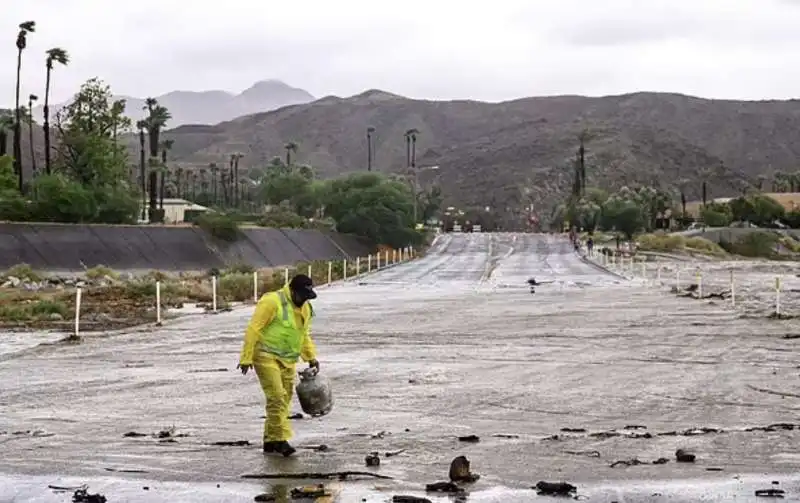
{"points": [[358, 266], [158, 303], [255, 287], [386, 258], [644, 271], [394, 256], [344, 269], [330, 272], [309, 271], [733, 290], [214, 294], [286, 276], [778, 295], [378, 260], [677, 277], [369, 263], [77, 312]]}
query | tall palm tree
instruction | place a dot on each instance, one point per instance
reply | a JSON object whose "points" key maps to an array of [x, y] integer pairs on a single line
{"points": [[370, 130], [194, 186], [6, 125], [22, 43], [178, 173], [157, 118], [583, 137], [291, 148], [141, 126], [31, 99], [203, 185], [120, 121], [166, 146], [235, 179], [60, 56]]}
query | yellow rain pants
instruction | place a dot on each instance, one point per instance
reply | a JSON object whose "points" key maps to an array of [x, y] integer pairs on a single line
{"points": [[277, 380]]}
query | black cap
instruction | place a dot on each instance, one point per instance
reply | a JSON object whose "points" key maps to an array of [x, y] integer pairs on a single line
{"points": [[304, 286]]}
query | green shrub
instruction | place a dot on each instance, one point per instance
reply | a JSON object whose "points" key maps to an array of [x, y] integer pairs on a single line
{"points": [[237, 287], [44, 308], [100, 272], [759, 244], [240, 268], [219, 226], [23, 271]]}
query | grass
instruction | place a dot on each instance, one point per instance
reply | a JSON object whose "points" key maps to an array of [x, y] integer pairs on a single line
{"points": [[101, 272], [759, 244]]}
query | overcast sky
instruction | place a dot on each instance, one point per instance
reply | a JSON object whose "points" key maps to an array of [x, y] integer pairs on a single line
{"points": [[438, 49]]}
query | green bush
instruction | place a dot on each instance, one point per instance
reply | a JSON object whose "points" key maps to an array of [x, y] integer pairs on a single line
{"points": [[23, 271], [758, 244], [236, 287], [661, 242], [219, 226], [100, 272]]}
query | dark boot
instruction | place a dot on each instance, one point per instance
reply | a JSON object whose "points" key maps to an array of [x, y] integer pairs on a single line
{"points": [[269, 447], [284, 448]]}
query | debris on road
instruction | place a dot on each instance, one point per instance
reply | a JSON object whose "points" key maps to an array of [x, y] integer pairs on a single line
{"points": [[390, 454], [684, 457], [312, 475], [409, 499], [555, 488], [505, 435], [318, 448], [637, 462], [125, 470], [372, 459], [232, 443], [469, 438], [591, 454], [83, 496], [573, 430], [460, 470], [443, 487], [296, 415]]}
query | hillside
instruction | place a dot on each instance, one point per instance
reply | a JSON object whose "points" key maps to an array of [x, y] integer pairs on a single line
{"points": [[521, 152], [212, 107]]}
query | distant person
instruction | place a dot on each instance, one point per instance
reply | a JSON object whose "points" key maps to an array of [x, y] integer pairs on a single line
{"points": [[278, 334], [589, 245]]}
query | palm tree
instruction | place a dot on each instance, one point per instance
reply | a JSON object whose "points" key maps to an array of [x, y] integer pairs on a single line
{"points": [[22, 43], [6, 125], [31, 99], [166, 146], [212, 167], [583, 137], [141, 126], [120, 121], [60, 56], [157, 117], [235, 179], [194, 186], [203, 185], [291, 148], [370, 130], [178, 173]]}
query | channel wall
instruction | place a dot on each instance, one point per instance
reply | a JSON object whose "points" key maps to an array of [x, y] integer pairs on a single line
{"points": [[74, 247]]}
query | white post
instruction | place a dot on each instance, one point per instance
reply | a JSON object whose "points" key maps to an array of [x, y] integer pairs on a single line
{"points": [[214, 293], [386, 258], [77, 312], [677, 277], [344, 269], [778, 295], [369, 263], [255, 287], [286, 276], [309, 271], [644, 271], [699, 278], [658, 275], [358, 266], [378, 260], [158, 303], [733, 290], [330, 272]]}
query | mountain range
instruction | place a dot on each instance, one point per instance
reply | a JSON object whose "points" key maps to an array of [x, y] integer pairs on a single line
{"points": [[519, 152], [212, 107]]}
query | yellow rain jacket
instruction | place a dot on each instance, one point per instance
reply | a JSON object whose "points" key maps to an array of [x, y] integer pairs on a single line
{"points": [[277, 334]]}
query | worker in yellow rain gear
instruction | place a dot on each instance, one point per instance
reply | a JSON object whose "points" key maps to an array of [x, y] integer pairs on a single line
{"points": [[277, 335]]}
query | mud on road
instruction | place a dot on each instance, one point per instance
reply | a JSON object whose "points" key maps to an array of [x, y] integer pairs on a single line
{"points": [[562, 384]]}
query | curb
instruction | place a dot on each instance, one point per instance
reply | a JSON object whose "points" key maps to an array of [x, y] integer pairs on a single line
{"points": [[603, 268]]}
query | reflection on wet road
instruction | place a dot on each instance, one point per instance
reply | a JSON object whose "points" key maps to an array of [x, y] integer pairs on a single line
{"points": [[452, 344]]}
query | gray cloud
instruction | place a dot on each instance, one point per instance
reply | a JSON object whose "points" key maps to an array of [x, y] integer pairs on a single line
{"points": [[428, 49]]}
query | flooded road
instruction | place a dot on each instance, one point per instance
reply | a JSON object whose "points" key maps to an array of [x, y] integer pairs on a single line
{"points": [[450, 345]]}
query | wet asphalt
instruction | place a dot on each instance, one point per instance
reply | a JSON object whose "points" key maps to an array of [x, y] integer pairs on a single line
{"points": [[450, 345]]}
